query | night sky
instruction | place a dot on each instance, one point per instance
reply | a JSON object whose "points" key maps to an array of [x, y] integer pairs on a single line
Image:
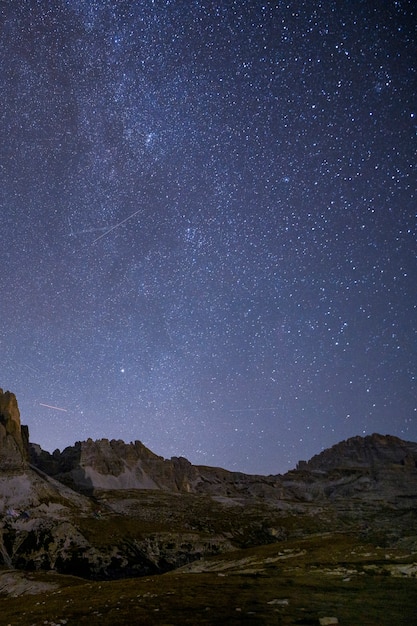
{"points": [[208, 224]]}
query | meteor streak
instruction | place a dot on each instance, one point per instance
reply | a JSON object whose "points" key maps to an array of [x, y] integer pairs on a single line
{"points": [[116, 226], [57, 408]]}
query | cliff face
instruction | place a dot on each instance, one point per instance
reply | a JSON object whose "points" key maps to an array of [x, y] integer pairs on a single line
{"points": [[14, 438]]}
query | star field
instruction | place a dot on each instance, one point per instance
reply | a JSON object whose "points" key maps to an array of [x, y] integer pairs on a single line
{"points": [[209, 224]]}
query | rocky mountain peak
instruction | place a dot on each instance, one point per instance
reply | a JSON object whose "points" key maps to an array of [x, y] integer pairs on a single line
{"points": [[14, 438], [364, 452]]}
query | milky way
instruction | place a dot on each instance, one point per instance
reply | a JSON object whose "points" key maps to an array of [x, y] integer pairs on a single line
{"points": [[209, 224]]}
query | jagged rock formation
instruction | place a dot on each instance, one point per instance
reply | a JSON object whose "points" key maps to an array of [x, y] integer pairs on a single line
{"points": [[96, 465], [384, 466], [14, 438], [105, 464]]}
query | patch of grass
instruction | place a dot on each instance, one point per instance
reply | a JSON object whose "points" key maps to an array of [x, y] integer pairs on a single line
{"points": [[246, 523], [113, 530]]}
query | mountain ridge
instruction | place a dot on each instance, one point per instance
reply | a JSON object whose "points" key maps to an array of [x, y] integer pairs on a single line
{"points": [[113, 464]]}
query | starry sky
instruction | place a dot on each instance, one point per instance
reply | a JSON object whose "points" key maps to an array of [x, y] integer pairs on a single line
{"points": [[208, 224]]}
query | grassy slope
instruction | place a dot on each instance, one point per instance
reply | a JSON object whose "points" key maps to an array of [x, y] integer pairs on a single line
{"points": [[294, 582]]}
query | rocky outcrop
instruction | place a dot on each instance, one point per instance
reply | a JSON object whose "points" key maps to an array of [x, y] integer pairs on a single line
{"points": [[14, 438], [66, 546], [372, 451], [101, 465], [104, 464], [373, 469]]}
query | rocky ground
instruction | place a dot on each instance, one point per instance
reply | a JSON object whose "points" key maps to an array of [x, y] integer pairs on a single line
{"points": [[225, 561]]}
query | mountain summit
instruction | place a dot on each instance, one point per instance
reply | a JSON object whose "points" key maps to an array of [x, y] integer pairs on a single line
{"points": [[365, 452]]}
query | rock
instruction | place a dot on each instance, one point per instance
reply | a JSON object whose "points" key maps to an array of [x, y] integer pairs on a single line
{"points": [[279, 602], [15, 583], [110, 509], [374, 468], [328, 621], [14, 438]]}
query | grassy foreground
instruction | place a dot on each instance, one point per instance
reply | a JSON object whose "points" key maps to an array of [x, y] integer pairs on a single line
{"points": [[293, 582]]}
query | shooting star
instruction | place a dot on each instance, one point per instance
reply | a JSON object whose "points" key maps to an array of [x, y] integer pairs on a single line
{"points": [[116, 226], [32, 369], [57, 408]]}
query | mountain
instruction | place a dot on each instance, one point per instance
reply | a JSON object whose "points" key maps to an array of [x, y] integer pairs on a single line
{"points": [[372, 463], [90, 465], [375, 466], [105, 510], [365, 452]]}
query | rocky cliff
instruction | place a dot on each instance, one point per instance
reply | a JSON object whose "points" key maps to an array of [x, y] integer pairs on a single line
{"points": [[14, 438]]}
